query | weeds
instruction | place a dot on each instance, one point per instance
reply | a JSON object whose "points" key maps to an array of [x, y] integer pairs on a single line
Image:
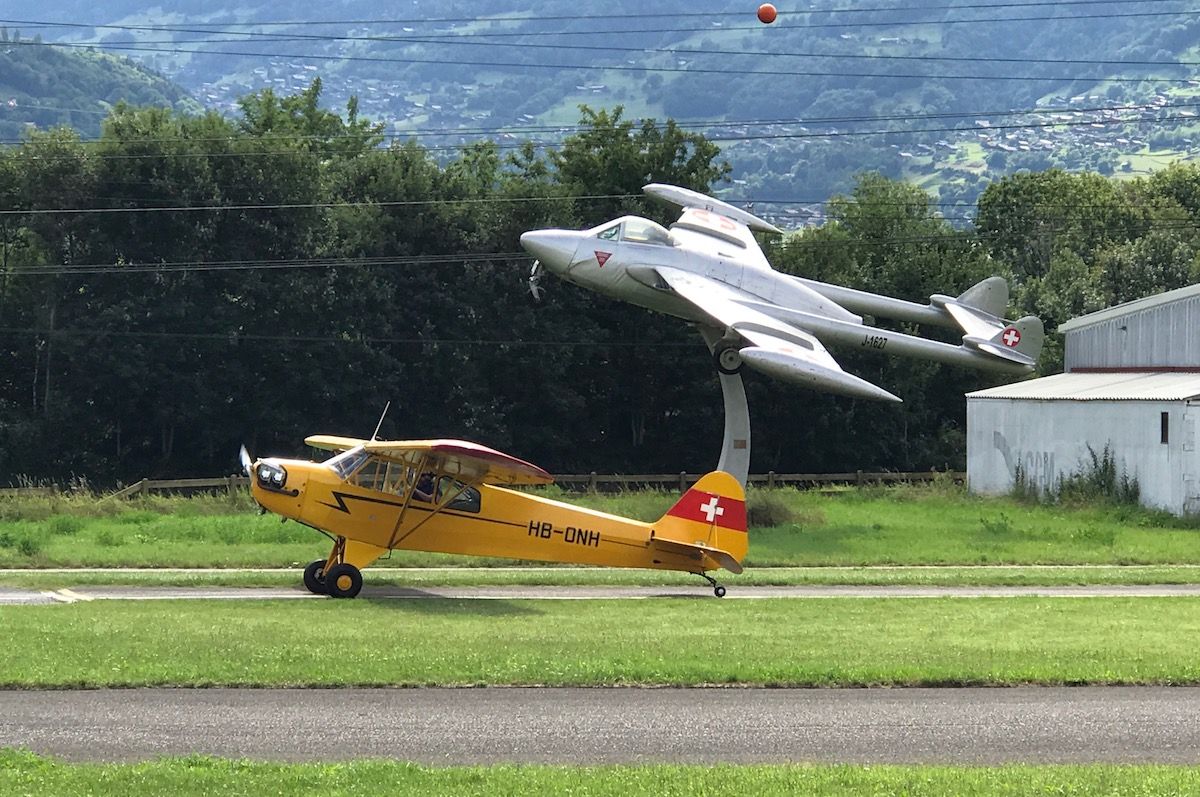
{"points": [[1097, 479]]}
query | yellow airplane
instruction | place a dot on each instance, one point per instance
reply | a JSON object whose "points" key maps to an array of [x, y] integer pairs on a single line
{"points": [[376, 496]]}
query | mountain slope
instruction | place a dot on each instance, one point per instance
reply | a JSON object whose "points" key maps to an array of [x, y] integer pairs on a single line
{"points": [[45, 86]]}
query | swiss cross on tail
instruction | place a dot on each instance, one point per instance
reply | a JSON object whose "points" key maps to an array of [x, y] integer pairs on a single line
{"points": [[711, 509], [1011, 337], [602, 257]]}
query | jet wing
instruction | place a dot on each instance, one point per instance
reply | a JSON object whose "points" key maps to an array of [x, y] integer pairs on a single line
{"points": [[471, 461], [777, 348]]}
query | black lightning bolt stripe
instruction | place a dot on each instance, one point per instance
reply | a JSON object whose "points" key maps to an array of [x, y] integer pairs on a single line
{"points": [[341, 499]]}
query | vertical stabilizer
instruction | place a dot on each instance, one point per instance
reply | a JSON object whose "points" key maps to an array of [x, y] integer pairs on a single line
{"points": [[989, 295], [710, 518]]}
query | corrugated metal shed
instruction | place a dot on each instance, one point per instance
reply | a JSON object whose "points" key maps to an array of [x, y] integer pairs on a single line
{"points": [[1136, 305], [1157, 332], [1100, 387], [1132, 387]]}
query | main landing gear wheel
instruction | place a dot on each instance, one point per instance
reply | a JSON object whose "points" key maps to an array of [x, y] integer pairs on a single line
{"points": [[728, 360], [314, 577], [343, 581], [719, 591]]}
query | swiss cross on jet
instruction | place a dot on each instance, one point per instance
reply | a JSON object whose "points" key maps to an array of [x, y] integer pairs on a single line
{"points": [[713, 509], [1011, 337], [602, 257]]}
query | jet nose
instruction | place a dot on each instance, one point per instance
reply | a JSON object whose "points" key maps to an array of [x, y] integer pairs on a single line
{"points": [[554, 248]]}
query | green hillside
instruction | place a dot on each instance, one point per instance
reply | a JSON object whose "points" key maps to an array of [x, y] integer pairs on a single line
{"points": [[44, 87]]}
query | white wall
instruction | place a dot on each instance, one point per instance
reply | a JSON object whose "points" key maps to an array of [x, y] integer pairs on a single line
{"points": [[1050, 439]]}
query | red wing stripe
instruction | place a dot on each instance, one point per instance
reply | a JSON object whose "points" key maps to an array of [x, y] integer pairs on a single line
{"points": [[709, 508]]}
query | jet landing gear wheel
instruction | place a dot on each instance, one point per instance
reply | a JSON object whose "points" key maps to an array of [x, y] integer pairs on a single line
{"points": [[343, 581], [718, 590], [728, 360], [314, 577]]}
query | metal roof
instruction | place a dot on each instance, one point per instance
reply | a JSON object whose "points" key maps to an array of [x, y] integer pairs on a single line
{"points": [[1077, 386], [1130, 307]]}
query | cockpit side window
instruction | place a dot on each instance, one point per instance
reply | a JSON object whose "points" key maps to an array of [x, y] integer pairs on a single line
{"points": [[382, 476], [467, 498], [612, 233]]}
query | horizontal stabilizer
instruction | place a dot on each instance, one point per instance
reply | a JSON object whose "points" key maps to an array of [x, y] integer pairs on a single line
{"points": [[815, 375], [697, 552], [979, 310]]}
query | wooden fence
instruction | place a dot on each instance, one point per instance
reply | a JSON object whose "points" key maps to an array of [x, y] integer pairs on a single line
{"points": [[572, 481]]}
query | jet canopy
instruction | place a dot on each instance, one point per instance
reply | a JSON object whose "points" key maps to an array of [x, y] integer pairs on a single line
{"points": [[635, 229]]}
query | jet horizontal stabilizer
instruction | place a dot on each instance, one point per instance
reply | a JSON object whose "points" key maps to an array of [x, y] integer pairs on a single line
{"points": [[813, 375]]}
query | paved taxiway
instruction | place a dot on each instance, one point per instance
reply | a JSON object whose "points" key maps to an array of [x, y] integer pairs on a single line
{"points": [[384, 592], [604, 725]]}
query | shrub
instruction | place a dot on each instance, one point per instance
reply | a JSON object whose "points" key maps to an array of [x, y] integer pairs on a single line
{"points": [[65, 525], [29, 545], [765, 508]]}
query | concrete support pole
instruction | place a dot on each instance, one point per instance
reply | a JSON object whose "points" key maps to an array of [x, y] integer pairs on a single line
{"points": [[735, 446]]}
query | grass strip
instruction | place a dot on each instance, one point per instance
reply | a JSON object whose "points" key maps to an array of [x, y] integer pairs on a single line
{"points": [[27, 774], [976, 576], [939, 524], [792, 642]]}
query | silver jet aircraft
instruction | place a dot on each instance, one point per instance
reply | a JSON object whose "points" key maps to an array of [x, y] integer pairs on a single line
{"points": [[708, 269]]}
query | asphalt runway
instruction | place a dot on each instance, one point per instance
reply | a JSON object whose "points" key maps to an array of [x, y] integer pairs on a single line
{"points": [[700, 591], [607, 725]]}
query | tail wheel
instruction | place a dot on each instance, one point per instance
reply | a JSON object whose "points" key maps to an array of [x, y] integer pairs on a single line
{"points": [[728, 360], [314, 577], [343, 581]]}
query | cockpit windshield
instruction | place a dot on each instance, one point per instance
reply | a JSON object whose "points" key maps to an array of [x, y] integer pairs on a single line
{"points": [[348, 461]]}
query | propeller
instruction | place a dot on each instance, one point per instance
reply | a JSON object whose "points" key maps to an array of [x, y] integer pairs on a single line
{"points": [[535, 281], [244, 459]]}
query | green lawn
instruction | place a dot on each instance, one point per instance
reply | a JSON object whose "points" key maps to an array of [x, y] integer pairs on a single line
{"points": [[382, 575], [26, 774], [794, 642], [902, 525]]}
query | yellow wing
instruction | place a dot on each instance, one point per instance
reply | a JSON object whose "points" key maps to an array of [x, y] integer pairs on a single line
{"points": [[469, 461]]}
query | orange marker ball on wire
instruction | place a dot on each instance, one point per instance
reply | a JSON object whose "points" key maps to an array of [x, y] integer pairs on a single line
{"points": [[766, 13]]}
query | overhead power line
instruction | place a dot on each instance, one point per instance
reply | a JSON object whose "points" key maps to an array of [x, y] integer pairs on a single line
{"points": [[605, 47], [690, 70], [235, 336], [539, 17]]}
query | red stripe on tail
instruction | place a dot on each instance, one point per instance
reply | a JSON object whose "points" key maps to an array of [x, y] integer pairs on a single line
{"points": [[711, 509]]}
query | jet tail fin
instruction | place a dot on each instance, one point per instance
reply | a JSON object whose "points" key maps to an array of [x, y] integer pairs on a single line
{"points": [[989, 295], [1020, 341], [708, 524]]}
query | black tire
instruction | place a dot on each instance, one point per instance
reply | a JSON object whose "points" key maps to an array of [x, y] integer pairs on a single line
{"points": [[343, 581], [728, 360], [314, 577], [719, 591]]}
